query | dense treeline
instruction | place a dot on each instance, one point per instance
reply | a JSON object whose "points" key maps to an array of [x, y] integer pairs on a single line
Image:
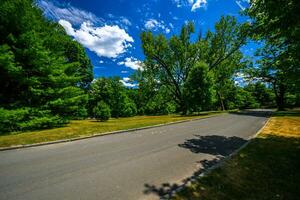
{"points": [[47, 79]]}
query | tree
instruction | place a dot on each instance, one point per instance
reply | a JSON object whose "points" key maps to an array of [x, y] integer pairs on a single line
{"points": [[152, 97], [224, 56], [278, 28], [101, 111], [42, 70], [169, 61], [244, 99], [277, 22], [262, 94], [199, 88], [113, 93], [272, 70]]}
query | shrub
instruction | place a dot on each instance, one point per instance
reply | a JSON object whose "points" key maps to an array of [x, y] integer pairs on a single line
{"points": [[9, 119], [27, 119], [102, 111], [128, 108]]}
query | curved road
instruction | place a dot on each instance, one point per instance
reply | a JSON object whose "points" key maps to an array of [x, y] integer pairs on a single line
{"points": [[129, 166]]}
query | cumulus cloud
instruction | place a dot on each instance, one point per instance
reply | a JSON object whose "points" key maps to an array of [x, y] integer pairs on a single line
{"points": [[127, 82], [107, 41], [132, 63], [106, 38], [153, 24]]}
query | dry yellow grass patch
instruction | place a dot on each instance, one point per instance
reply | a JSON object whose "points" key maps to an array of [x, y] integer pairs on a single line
{"points": [[282, 126]]}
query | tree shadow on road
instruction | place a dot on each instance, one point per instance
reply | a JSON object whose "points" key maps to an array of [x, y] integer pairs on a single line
{"points": [[254, 113], [213, 144], [218, 146]]}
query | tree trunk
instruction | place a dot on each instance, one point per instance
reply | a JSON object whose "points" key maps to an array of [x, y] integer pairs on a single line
{"points": [[184, 109], [280, 91], [221, 101]]}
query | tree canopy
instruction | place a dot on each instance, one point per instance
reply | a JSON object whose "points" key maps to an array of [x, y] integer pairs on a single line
{"points": [[43, 71]]}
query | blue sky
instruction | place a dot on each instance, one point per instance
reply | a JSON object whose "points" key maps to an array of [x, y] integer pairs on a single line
{"points": [[109, 29]]}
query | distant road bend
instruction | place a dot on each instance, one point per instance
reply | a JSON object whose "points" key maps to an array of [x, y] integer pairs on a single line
{"points": [[123, 166]]}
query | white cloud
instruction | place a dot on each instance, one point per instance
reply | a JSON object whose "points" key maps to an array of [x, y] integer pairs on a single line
{"points": [[178, 3], [239, 3], [127, 82], [101, 61], [68, 27], [153, 24], [107, 41], [194, 4], [126, 79], [198, 4], [132, 63], [57, 11], [126, 21]]}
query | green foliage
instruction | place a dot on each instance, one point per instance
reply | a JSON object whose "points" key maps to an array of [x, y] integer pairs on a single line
{"points": [[101, 111], [245, 100], [169, 62], [10, 119], [199, 88], [263, 96], [41, 67], [152, 97], [114, 94], [128, 107], [27, 119], [278, 28]]}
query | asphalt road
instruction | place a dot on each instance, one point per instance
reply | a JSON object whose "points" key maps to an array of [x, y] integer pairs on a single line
{"points": [[129, 166]]}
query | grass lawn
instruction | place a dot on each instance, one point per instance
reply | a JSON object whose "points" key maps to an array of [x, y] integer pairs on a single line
{"points": [[268, 168], [80, 128]]}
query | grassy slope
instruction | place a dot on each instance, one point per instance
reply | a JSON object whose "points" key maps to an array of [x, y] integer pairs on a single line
{"points": [[268, 168], [80, 128]]}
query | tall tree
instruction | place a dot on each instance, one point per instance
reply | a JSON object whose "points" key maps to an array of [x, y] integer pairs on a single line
{"points": [[41, 68], [272, 69], [170, 61], [112, 92], [276, 23], [199, 88], [224, 55]]}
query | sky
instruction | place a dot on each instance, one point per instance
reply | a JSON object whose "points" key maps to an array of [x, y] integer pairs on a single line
{"points": [[110, 30]]}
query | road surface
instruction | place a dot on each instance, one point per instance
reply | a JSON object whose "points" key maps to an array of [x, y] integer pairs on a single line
{"points": [[123, 166]]}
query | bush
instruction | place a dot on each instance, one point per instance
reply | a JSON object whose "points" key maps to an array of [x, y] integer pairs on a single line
{"points": [[9, 119], [42, 123], [27, 119], [128, 108], [102, 111]]}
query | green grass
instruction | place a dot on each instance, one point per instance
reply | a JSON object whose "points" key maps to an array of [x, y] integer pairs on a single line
{"points": [[268, 168], [81, 128]]}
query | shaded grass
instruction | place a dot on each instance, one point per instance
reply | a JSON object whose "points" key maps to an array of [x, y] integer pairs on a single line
{"points": [[268, 168], [80, 128]]}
